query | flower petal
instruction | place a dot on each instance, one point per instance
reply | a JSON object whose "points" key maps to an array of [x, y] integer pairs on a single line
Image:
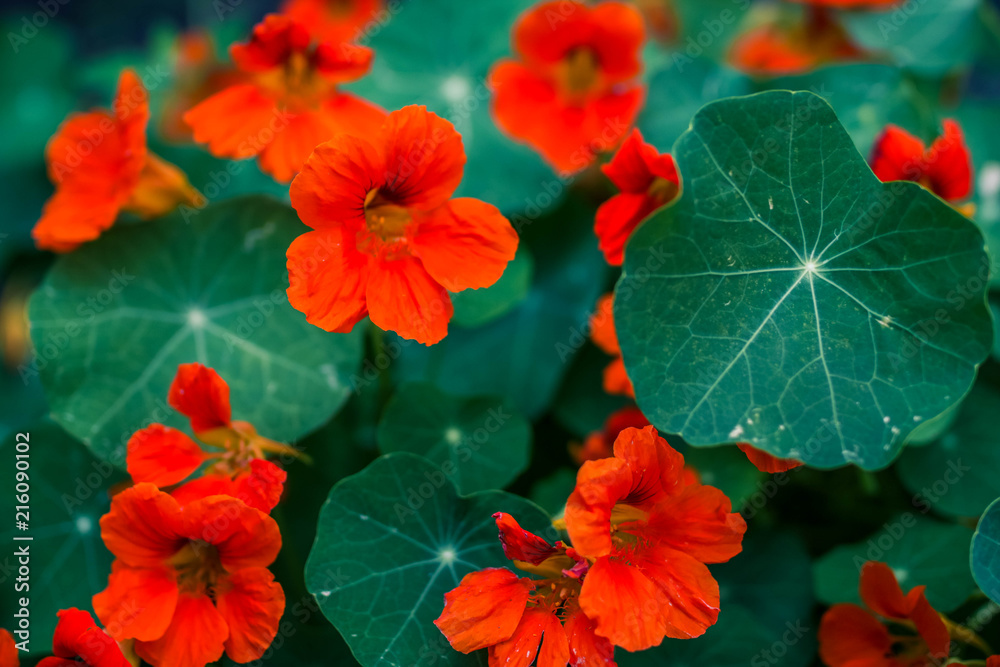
{"points": [[195, 637], [881, 592], [599, 485], [602, 325], [586, 647], [766, 462], [689, 599], [142, 526], [657, 468], [522, 647], [330, 189], [484, 609], [251, 602], [848, 633], [699, 522], [624, 605], [198, 393], [138, 602], [615, 221], [465, 244], [234, 121], [404, 298], [327, 279], [424, 158], [950, 164], [263, 486], [244, 536], [162, 455], [78, 636], [520, 544], [897, 155], [271, 44]]}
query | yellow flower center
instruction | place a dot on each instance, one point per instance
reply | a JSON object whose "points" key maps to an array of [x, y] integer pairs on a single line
{"points": [[387, 221], [580, 71], [198, 566]]}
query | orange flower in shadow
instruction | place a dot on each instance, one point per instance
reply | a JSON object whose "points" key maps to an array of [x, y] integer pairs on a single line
{"points": [[572, 90], [291, 102], [945, 168], [388, 239], [602, 328], [789, 48], [101, 166], [600, 445], [851, 635]]}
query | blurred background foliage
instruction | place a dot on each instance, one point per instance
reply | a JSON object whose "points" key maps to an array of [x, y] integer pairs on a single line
{"points": [[805, 526]]}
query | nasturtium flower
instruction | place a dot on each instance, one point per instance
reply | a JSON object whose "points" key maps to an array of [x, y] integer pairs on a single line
{"points": [[600, 444], [519, 618], [165, 456], [190, 582], [647, 179], [79, 642], [602, 332], [333, 20], [388, 240], [648, 529], [290, 102], [101, 166], [767, 462], [945, 168], [792, 47], [852, 635], [9, 656], [572, 90]]}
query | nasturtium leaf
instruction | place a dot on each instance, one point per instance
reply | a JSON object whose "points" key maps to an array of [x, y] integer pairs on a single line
{"points": [[985, 552], [930, 37], [114, 319], [68, 495], [485, 439], [448, 74], [790, 300], [391, 541], [475, 307], [957, 474], [921, 552], [866, 97]]}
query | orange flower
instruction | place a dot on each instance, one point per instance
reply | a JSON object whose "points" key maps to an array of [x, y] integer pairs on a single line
{"points": [[648, 529], [333, 20], [190, 582], [291, 102], [164, 456], [572, 92], [518, 618], [852, 635], [766, 462], [8, 650], [778, 48], [647, 180], [79, 641], [602, 332], [100, 166], [600, 444], [388, 241], [945, 168]]}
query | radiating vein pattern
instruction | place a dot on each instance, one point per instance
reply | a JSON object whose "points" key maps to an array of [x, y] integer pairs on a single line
{"points": [[791, 300], [391, 541], [115, 318]]}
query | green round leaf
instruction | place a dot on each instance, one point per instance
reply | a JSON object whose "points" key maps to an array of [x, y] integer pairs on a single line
{"points": [[68, 496], [957, 474], [475, 307], [866, 98], [921, 551], [391, 541], [448, 74], [483, 441], [114, 319], [791, 300], [726, 468], [985, 552]]}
